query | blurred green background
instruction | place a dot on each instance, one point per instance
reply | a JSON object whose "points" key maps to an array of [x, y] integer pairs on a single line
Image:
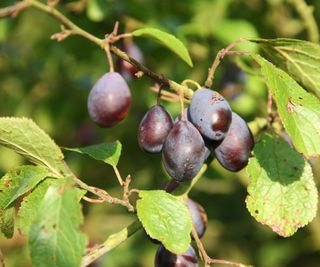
{"points": [[49, 82]]}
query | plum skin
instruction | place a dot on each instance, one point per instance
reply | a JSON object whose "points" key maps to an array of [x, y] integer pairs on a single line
{"points": [[109, 100], [210, 113], [198, 215], [183, 151], [165, 258], [154, 128], [234, 151]]}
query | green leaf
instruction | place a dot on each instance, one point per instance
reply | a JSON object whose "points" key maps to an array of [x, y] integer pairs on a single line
{"points": [[166, 218], [27, 139], [301, 59], [282, 192], [19, 181], [107, 152], [227, 31], [298, 110], [7, 222], [168, 40], [54, 238], [97, 10], [30, 206]]}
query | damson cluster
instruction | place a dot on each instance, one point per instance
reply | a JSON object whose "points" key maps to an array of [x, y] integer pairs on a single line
{"points": [[208, 127]]}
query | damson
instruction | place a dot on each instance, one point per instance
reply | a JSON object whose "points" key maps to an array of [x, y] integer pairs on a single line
{"points": [[198, 215], [207, 142], [183, 151], [165, 258], [234, 151], [109, 100], [210, 113], [154, 128]]}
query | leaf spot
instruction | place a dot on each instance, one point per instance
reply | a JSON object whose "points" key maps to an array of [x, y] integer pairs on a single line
{"points": [[291, 106]]}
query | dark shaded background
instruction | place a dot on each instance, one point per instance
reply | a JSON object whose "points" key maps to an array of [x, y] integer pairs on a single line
{"points": [[49, 82]]}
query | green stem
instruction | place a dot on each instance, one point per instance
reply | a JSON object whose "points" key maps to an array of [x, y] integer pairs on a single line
{"points": [[76, 30], [185, 187], [306, 13], [113, 241]]}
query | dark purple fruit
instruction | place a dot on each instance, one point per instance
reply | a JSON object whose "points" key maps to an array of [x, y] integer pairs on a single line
{"points": [[165, 258], [207, 142], [210, 113], [198, 215], [154, 128], [183, 151], [109, 100], [234, 151]]}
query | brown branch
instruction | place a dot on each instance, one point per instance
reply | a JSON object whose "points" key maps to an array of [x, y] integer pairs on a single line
{"points": [[92, 200], [14, 10], [103, 196], [221, 54]]}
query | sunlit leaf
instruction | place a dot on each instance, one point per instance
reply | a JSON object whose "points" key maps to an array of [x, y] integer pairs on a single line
{"points": [[282, 193], [298, 109], [168, 40], [166, 218]]}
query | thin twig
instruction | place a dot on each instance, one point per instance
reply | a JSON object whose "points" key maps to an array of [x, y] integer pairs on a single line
{"points": [[92, 200], [221, 54], [102, 195], [109, 56], [112, 241], [14, 10], [205, 257], [60, 36], [157, 89]]}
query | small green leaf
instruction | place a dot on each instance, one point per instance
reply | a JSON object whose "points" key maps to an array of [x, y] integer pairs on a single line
{"points": [[166, 218], [7, 222], [227, 31], [298, 110], [282, 192], [107, 152], [54, 238], [26, 138], [168, 40], [97, 10], [299, 58], [30, 206], [19, 181]]}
